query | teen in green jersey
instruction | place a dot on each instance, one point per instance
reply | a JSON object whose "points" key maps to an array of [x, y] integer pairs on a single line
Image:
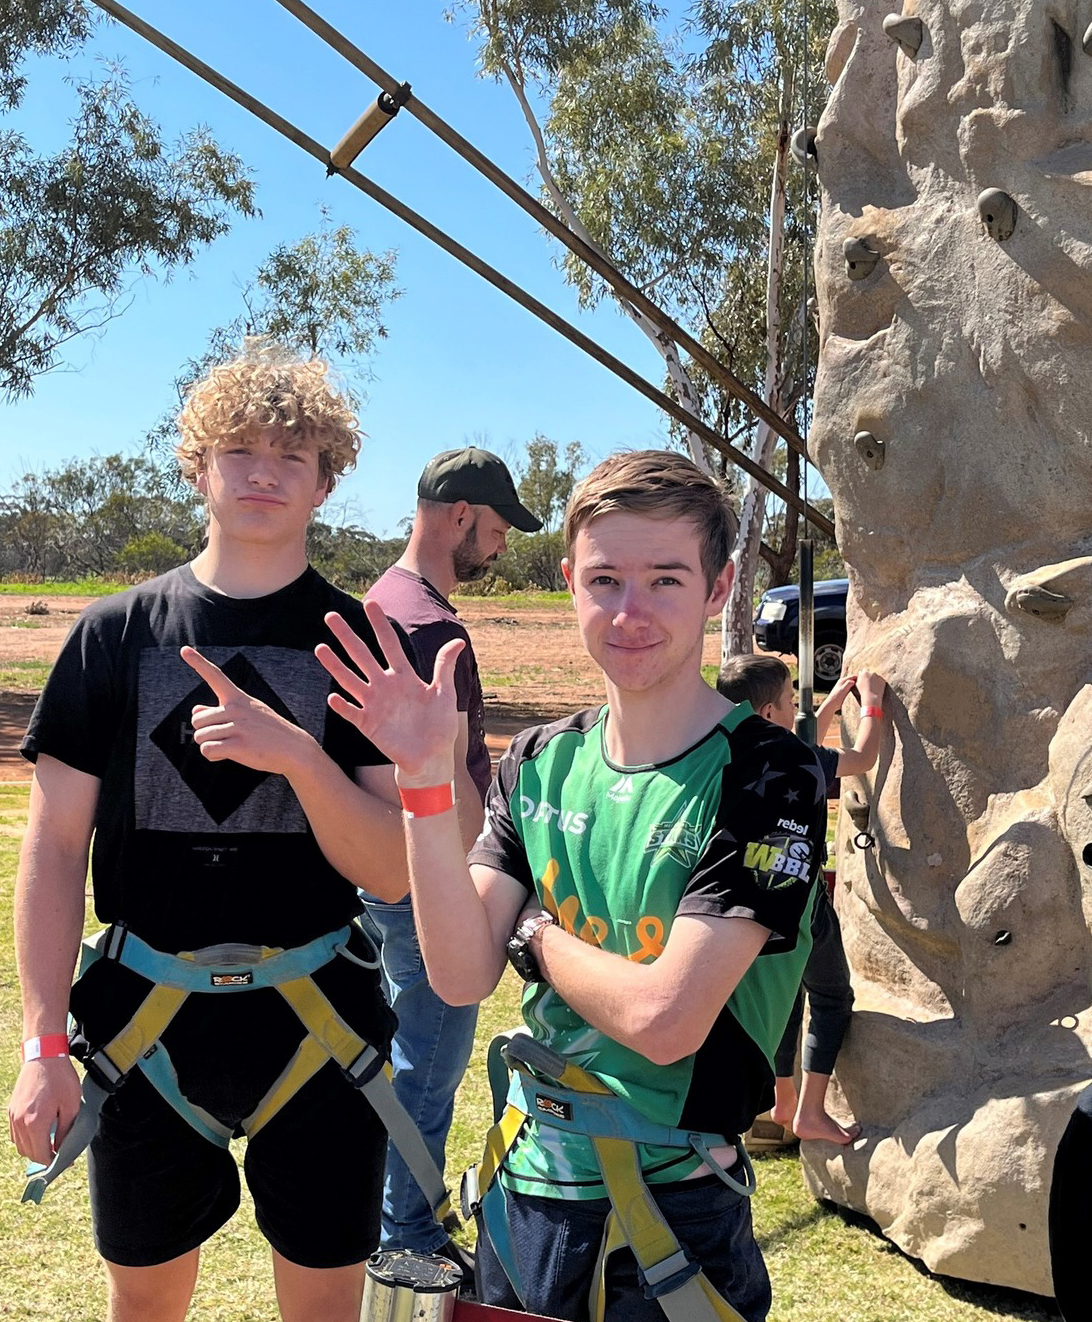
{"points": [[665, 846]]}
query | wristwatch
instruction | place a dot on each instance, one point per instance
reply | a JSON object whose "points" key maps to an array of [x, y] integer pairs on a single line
{"points": [[520, 954]]}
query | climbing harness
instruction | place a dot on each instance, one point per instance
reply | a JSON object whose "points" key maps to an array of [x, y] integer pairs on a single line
{"points": [[551, 1090], [225, 970]]}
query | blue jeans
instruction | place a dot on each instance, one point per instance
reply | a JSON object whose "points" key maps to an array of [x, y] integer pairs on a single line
{"points": [[556, 1242], [429, 1054]]}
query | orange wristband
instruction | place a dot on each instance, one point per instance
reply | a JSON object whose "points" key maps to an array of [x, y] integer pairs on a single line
{"points": [[51, 1046], [428, 802], [877, 712]]}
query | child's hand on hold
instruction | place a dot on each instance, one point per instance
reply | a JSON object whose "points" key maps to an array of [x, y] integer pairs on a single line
{"points": [[842, 690], [871, 688]]}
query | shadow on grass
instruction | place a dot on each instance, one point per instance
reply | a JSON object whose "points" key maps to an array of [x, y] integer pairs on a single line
{"points": [[790, 1226], [994, 1299]]}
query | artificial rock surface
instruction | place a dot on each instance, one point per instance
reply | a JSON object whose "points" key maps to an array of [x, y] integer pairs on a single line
{"points": [[966, 353]]}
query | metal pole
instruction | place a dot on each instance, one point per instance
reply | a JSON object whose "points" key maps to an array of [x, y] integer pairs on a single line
{"points": [[805, 648]]}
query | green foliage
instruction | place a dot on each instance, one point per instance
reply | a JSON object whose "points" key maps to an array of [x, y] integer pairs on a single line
{"points": [[81, 517], [545, 35], [77, 226], [149, 553], [23, 585], [547, 480], [351, 557], [324, 295], [38, 27], [533, 560], [24, 676]]}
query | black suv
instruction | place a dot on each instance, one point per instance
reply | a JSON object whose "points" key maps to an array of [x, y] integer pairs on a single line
{"points": [[778, 621]]}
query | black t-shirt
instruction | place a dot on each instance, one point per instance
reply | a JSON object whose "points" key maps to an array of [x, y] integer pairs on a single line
{"points": [[191, 853], [828, 760]]}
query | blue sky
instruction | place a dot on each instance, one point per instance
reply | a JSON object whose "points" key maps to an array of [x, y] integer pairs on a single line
{"points": [[462, 362]]}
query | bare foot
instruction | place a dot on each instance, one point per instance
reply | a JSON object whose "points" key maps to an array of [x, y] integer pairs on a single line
{"points": [[825, 1127], [785, 1103]]}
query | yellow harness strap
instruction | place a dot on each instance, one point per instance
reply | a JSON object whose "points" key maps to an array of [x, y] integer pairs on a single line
{"points": [[145, 1028], [637, 1221], [328, 1037], [331, 1038], [497, 1144]]}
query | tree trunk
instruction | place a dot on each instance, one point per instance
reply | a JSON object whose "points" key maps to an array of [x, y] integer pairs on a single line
{"points": [[736, 621], [782, 559]]}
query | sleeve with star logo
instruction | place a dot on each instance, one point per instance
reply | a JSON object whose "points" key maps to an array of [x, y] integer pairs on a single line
{"points": [[766, 846]]}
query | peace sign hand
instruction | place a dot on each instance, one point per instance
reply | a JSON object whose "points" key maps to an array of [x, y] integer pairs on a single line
{"points": [[242, 729], [413, 723]]}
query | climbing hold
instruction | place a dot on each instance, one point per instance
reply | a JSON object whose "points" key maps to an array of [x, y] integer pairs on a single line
{"points": [[802, 145], [906, 33], [860, 259], [1003, 938], [997, 211], [1040, 602], [1086, 855], [872, 451], [857, 809], [1086, 40]]}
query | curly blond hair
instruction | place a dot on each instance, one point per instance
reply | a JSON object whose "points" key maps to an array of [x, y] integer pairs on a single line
{"points": [[268, 386]]}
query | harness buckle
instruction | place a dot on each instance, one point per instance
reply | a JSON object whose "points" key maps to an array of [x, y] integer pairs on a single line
{"points": [[114, 942], [470, 1198], [104, 1072], [364, 1068], [670, 1274]]}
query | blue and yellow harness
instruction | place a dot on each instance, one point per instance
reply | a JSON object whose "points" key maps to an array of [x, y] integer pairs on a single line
{"points": [[546, 1087], [234, 970]]}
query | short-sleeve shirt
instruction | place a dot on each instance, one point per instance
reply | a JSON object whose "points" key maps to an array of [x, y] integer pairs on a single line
{"points": [[431, 621], [728, 829], [828, 760], [187, 852]]}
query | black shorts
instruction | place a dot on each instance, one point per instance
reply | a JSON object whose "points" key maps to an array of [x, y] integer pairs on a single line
{"points": [[159, 1189]]}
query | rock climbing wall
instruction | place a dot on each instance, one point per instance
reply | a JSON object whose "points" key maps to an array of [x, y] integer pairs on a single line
{"points": [[952, 424]]}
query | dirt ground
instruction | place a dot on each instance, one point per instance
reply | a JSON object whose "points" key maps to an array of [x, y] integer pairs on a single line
{"points": [[532, 666]]}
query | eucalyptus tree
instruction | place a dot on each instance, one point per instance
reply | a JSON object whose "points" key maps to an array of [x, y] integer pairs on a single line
{"points": [[662, 137], [325, 295], [78, 225]]}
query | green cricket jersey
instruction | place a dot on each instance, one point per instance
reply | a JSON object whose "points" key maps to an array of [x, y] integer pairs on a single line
{"points": [[731, 828]]}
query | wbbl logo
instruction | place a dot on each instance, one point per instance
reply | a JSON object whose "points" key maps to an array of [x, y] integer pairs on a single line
{"points": [[778, 861]]}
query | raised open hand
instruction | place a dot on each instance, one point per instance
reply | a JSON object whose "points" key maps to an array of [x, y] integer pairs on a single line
{"points": [[240, 728], [413, 723]]}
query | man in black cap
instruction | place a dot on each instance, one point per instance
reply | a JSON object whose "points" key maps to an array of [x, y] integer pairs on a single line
{"points": [[466, 502]]}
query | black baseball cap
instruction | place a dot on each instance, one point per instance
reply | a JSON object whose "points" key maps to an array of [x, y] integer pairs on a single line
{"points": [[479, 478]]}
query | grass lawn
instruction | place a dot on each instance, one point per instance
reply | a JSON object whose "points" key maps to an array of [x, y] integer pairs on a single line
{"points": [[825, 1267], [91, 586], [24, 676]]}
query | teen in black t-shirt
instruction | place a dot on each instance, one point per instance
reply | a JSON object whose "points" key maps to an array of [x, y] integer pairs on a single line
{"points": [[186, 726]]}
